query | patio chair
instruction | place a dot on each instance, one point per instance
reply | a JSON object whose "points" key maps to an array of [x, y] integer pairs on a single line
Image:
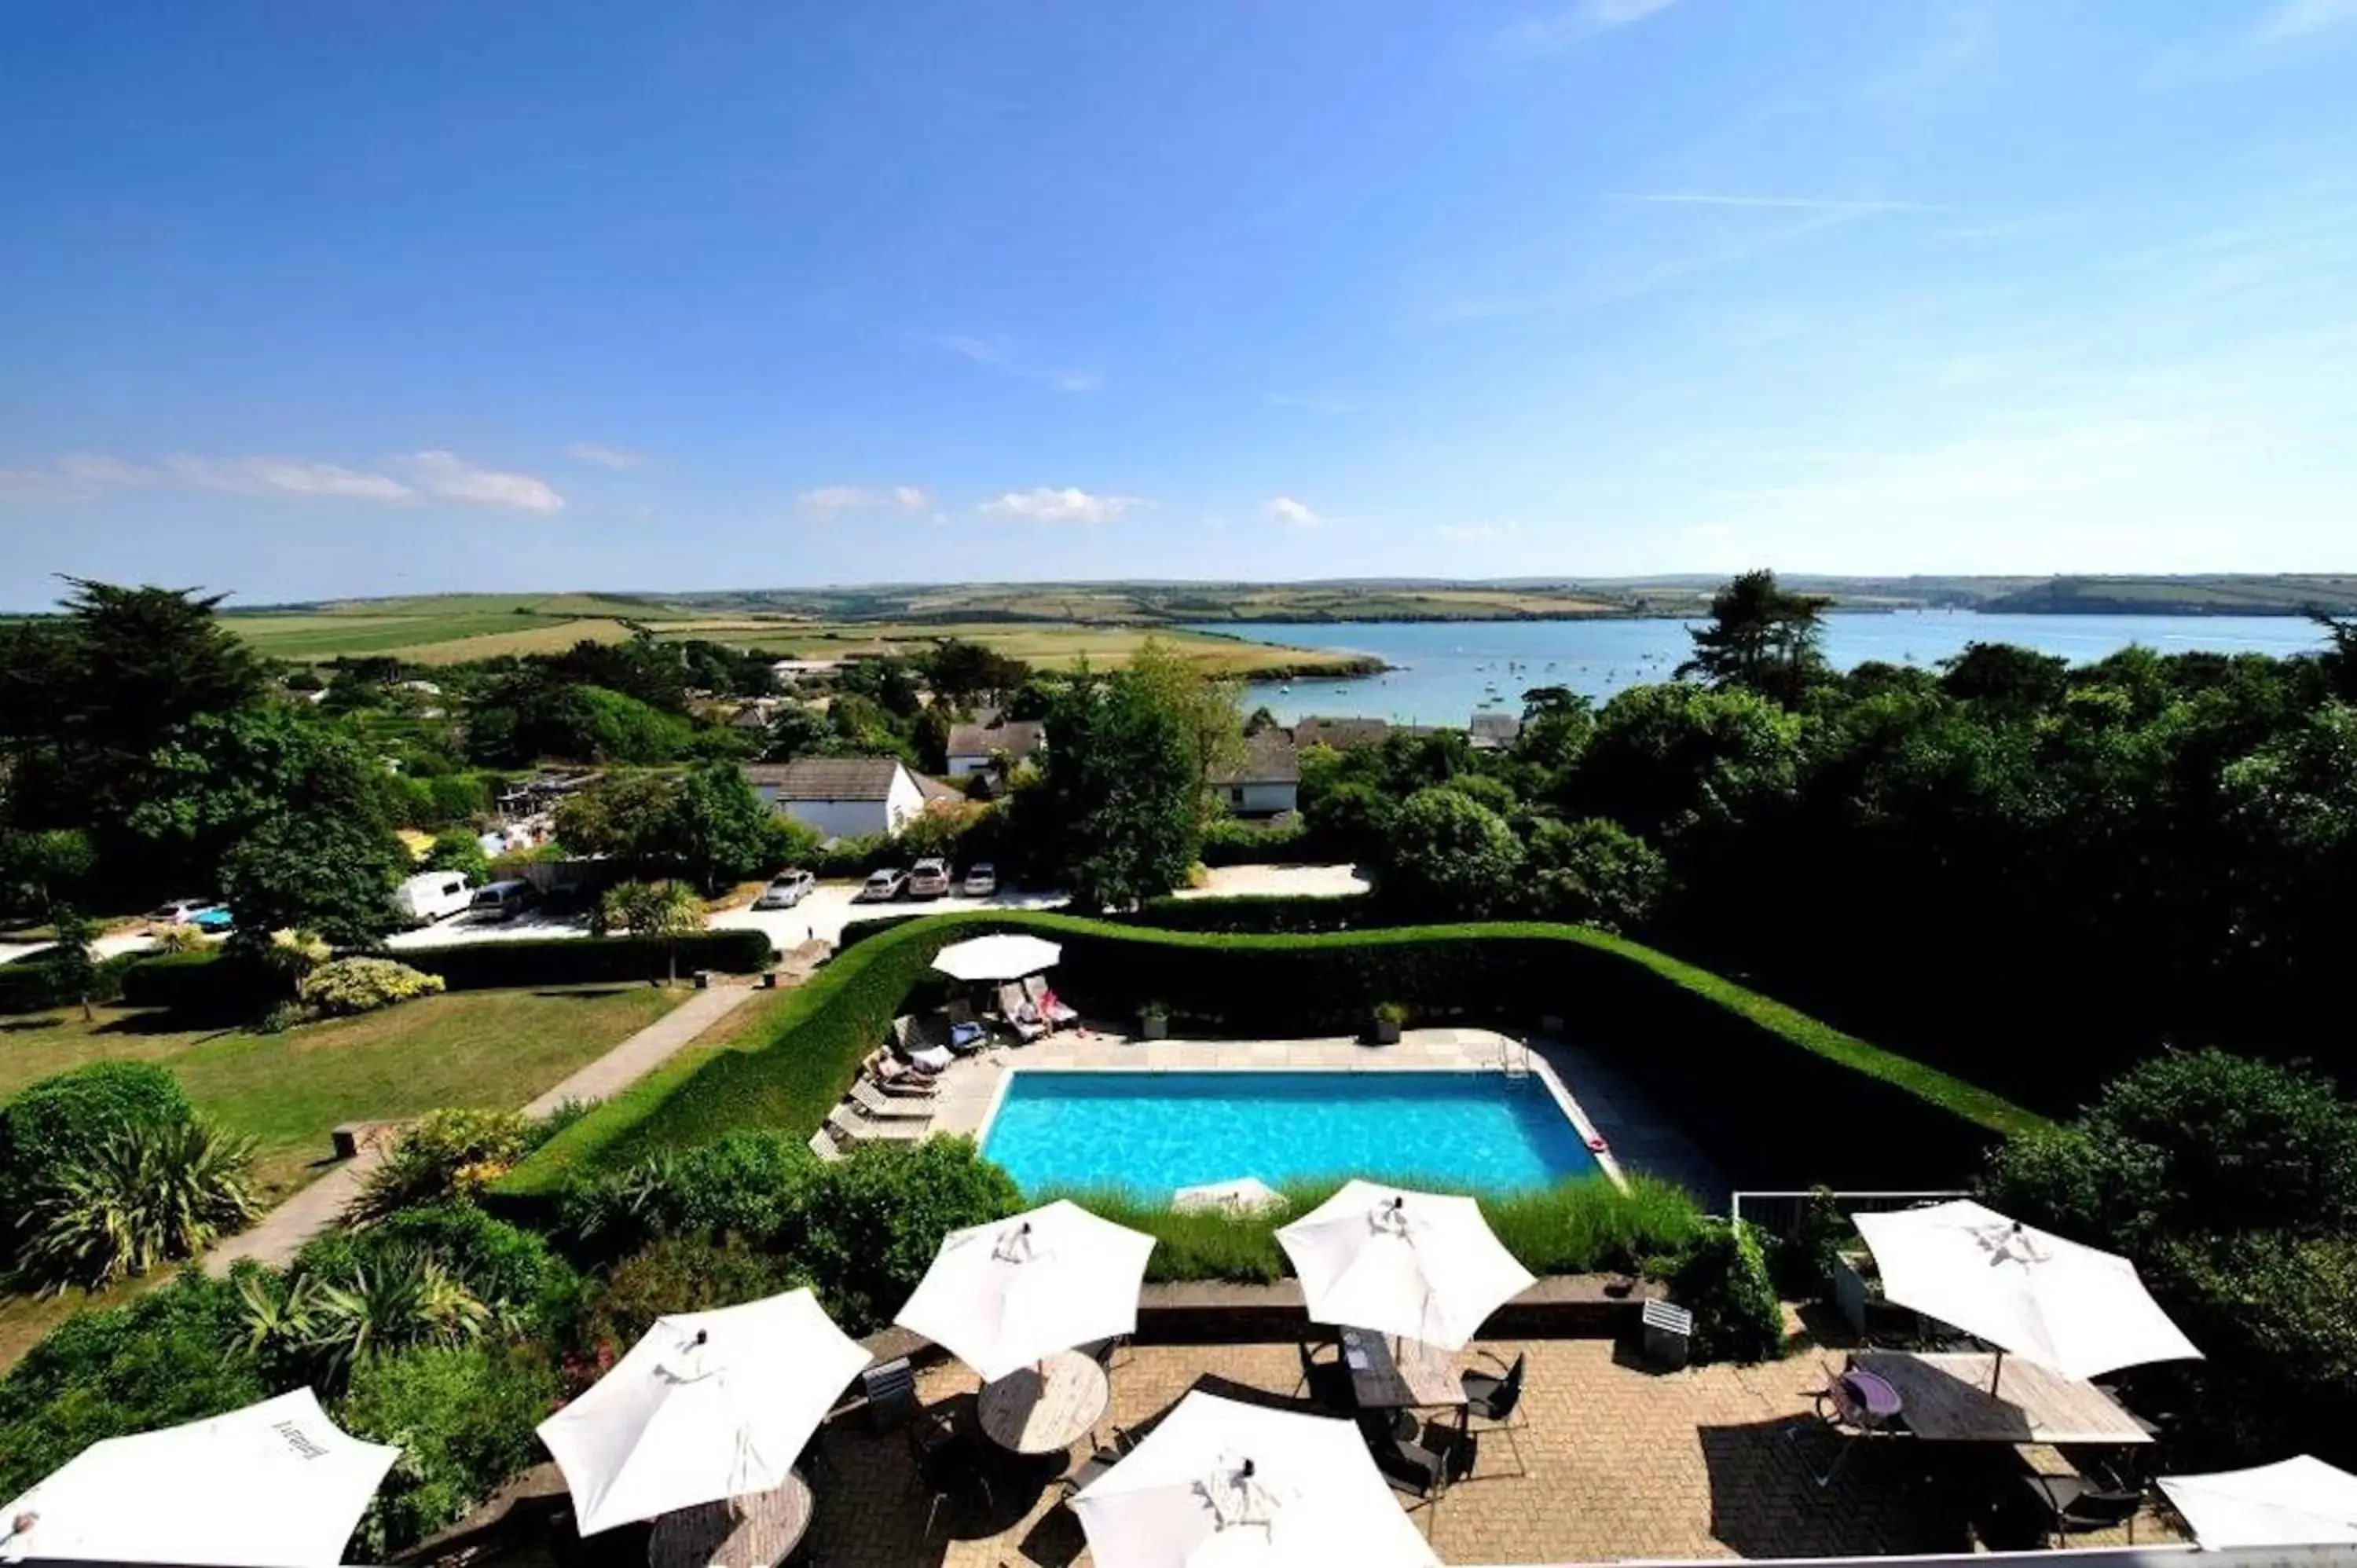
{"points": [[1050, 1008], [1020, 1015], [1326, 1381], [1098, 1463], [1412, 1470], [1853, 1406], [1103, 1351], [891, 1391], [949, 1459], [967, 1033], [1497, 1400], [2077, 1503]]}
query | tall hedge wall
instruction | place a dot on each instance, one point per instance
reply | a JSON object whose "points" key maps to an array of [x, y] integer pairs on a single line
{"points": [[1777, 1097]]}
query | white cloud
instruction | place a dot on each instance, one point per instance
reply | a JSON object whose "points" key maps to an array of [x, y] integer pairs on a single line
{"points": [[1785, 203], [857, 498], [445, 476], [1571, 25], [1068, 505], [1000, 354], [1285, 509], [2302, 18], [606, 456], [261, 475]]}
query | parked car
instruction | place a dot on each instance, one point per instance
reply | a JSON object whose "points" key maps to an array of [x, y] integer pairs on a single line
{"points": [[981, 880], [499, 901], [929, 879], [182, 911], [882, 886], [431, 895], [213, 919], [785, 890]]}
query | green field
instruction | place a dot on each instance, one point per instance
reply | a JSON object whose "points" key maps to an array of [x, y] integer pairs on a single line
{"points": [[493, 1049], [428, 630], [1045, 645]]}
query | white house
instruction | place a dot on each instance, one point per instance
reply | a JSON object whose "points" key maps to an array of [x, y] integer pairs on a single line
{"points": [[840, 797], [971, 747], [1267, 783]]}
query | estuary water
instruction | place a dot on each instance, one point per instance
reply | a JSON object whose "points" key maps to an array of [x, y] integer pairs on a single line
{"points": [[1446, 671]]}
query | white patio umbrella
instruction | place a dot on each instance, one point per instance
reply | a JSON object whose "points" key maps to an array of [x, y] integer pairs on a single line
{"points": [[1221, 1482], [707, 1405], [1399, 1261], [2071, 1307], [1004, 1295], [1245, 1194], [1008, 955], [2298, 1502], [276, 1485]]}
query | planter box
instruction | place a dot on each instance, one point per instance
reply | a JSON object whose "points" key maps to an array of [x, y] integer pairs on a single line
{"points": [[1853, 1293], [1382, 1033], [1153, 1026]]}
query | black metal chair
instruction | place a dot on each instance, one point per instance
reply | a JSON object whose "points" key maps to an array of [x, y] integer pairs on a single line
{"points": [[1098, 1463], [950, 1459], [1412, 1470], [1326, 1381], [2076, 1504], [891, 1391], [1496, 1400]]}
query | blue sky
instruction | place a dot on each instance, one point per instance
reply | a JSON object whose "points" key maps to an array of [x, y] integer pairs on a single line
{"points": [[303, 300]]}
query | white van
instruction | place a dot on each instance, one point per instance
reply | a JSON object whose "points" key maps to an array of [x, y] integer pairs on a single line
{"points": [[499, 901], [431, 895]]}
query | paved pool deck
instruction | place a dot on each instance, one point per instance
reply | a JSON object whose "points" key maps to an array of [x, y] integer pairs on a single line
{"points": [[1638, 1135]]}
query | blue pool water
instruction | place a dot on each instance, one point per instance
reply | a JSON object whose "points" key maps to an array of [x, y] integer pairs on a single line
{"points": [[1155, 1132]]}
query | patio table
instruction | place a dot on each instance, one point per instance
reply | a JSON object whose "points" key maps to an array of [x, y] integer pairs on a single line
{"points": [[1047, 1408], [1947, 1400], [1418, 1376], [756, 1531]]}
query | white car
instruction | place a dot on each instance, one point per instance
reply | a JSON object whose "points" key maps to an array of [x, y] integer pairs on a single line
{"points": [[182, 911], [981, 880], [785, 890], [882, 886], [929, 879]]}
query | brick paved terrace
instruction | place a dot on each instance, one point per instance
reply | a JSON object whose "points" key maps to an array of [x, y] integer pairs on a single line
{"points": [[1622, 1462]]}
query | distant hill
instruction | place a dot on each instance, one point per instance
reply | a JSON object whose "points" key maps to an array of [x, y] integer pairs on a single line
{"points": [[2221, 596]]}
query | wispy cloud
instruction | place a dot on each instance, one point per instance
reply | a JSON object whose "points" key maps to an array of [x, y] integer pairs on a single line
{"points": [[1000, 353], [421, 476], [1834, 204], [1293, 513], [1568, 26], [863, 497], [606, 456], [2305, 18], [1307, 404], [1068, 505]]}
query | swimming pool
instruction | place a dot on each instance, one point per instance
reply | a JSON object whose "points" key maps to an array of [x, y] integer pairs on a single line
{"points": [[1155, 1131]]}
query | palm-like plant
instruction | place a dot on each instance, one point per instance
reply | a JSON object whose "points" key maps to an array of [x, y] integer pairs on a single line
{"points": [[394, 1304], [149, 1196]]}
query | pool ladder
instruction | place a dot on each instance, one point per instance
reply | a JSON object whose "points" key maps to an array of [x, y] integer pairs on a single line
{"points": [[1514, 1058]]}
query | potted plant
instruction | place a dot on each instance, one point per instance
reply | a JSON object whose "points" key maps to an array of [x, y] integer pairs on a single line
{"points": [[1154, 1021], [1383, 1026]]}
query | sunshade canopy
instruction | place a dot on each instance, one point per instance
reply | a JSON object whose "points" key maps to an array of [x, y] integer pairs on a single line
{"points": [[2298, 1502], [1006, 956], [1401, 1261], [1003, 1295], [2071, 1307], [1221, 1482], [276, 1485], [1245, 1194], [708, 1405]]}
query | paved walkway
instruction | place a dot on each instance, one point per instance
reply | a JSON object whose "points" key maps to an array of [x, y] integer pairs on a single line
{"points": [[282, 1231]]}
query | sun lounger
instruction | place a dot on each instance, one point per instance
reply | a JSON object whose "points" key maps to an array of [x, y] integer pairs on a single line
{"points": [[1020, 1015], [1052, 1009], [896, 1078], [966, 1031], [918, 1046]]}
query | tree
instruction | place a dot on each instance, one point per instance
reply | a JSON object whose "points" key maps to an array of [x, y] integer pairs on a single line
{"points": [[2340, 660], [40, 870], [321, 872], [1593, 872], [2005, 676], [667, 910], [1448, 854], [1117, 812], [630, 817], [1209, 713], [458, 850], [1760, 637], [962, 673], [796, 729], [71, 961], [719, 828]]}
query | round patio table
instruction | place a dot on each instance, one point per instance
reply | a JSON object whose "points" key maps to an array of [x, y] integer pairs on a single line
{"points": [[1047, 1408], [759, 1530]]}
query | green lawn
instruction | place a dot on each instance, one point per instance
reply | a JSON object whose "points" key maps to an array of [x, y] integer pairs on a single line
{"points": [[493, 1048]]}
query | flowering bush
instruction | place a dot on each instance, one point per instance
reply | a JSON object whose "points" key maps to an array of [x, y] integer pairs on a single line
{"points": [[349, 985]]}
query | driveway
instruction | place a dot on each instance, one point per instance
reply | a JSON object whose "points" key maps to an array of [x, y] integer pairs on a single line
{"points": [[1280, 881], [458, 929], [828, 908]]}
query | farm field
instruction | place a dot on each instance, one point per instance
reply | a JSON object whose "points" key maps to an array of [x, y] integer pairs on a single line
{"points": [[422, 629], [488, 1048], [1044, 644]]}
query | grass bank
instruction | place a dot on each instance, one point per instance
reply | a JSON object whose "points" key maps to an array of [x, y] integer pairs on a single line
{"points": [[1781, 1098]]}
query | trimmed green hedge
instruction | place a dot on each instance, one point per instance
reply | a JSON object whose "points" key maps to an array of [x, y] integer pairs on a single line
{"points": [[1776, 1097], [204, 982], [1274, 914], [35, 984]]}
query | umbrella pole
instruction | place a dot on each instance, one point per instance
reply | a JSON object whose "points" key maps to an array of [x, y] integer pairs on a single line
{"points": [[1997, 1371]]}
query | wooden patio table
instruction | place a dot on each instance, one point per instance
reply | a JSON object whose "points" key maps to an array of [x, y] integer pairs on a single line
{"points": [[1946, 1399], [757, 1530], [1417, 1377], [1045, 1408]]}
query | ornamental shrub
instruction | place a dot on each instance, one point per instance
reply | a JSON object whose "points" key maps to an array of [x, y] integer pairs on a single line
{"points": [[347, 985], [463, 1417], [153, 1194], [169, 1357], [511, 1269], [62, 1121], [755, 1185], [679, 1274], [876, 1217], [1723, 1280], [447, 1155]]}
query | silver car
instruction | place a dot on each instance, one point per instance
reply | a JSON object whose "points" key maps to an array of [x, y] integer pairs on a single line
{"points": [[785, 890], [981, 880]]}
